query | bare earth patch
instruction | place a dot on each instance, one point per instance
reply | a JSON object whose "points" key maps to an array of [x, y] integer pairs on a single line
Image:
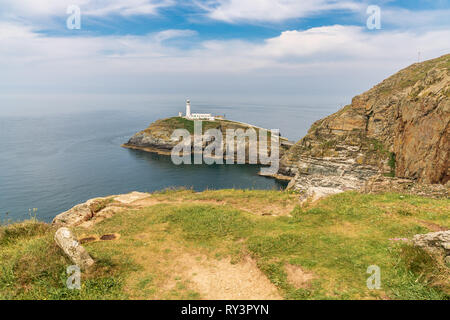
{"points": [[131, 197], [432, 226], [106, 213], [221, 280], [298, 277], [253, 207]]}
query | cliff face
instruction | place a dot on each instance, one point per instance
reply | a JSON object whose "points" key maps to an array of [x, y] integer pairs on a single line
{"points": [[400, 127]]}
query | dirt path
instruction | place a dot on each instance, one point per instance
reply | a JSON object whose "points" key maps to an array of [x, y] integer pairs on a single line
{"points": [[253, 208], [220, 279]]}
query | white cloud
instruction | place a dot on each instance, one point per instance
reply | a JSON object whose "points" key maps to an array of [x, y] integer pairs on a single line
{"points": [[271, 10], [319, 60], [291, 49], [174, 33], [36, 8], [332, 40], [126, 7]]}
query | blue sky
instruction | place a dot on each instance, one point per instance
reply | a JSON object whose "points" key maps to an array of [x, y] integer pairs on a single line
{"points": [[199, 16], [317, 49]]}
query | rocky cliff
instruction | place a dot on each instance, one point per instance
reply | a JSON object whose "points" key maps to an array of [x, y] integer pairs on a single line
{"points": [[157, 137], [398, 128]]}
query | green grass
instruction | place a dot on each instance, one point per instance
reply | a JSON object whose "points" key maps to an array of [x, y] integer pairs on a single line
{"points": [[392, 162], [207, 223], [336, 239], [178, 122], [173, 123], [33, 267], [20, 231]]}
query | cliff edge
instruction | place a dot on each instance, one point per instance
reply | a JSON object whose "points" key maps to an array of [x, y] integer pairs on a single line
{"points": [[398, 128]]}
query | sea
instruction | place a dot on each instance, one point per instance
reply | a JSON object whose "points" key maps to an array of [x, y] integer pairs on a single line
{"points": [[51, 161]]}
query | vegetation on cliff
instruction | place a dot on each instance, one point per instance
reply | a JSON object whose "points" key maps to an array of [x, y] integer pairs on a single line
{"points": [[180, 244], [158, 136]]}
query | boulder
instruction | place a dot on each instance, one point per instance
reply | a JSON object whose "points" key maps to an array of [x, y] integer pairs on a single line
{"points": [[438, 242], [81, 212], [72, 248]]}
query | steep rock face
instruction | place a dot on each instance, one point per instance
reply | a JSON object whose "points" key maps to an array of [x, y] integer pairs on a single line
{"points": [[400, 127], [157, 136]]}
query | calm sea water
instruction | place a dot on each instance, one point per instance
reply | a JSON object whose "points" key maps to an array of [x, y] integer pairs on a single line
{"points": [[54, 162]]}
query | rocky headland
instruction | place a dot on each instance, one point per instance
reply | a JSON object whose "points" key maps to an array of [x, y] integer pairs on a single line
{"points": [[396, 134], [158, 136]]}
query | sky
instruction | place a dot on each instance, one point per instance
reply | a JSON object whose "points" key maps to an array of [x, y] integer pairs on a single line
{"points": [[227, 51]]}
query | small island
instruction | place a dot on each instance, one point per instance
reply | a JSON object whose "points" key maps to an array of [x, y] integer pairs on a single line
{"points": [[157, 137]]}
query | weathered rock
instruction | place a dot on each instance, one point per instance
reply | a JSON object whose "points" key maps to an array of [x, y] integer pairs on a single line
{"points": [[317, 177], [157, 137], [399, 127], [438, 242], [87, 213], [81, 212], [380, 184], [72, 248], [314, 193]]}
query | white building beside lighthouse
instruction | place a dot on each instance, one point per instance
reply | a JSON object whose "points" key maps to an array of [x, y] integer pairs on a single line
{"points": [[196, 116]]}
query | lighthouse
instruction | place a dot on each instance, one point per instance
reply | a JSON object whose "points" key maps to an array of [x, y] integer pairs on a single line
{"points": [[188, 109], [196, 116]]}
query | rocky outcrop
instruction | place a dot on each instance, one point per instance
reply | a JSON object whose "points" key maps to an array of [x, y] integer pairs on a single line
{"points": [[399, 128], [158, 136], [319, 177], [380, 183], [437, 242], [96, 209], [72, 248], [81, 212]]}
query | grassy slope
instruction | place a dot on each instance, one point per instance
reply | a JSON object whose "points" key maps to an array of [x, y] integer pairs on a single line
{"points": [[170, 124], [336, 239]]}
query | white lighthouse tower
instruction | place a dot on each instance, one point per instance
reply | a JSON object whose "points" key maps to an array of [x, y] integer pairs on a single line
{"points": [[188, 108], [196, 116]]}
